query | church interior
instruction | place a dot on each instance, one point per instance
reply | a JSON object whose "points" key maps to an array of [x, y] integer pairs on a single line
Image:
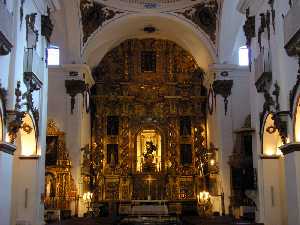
{"points": [[141, 112]]}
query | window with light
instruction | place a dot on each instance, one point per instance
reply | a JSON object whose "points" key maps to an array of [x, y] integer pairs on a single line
{"points": [[243, 56], [53, 56]]}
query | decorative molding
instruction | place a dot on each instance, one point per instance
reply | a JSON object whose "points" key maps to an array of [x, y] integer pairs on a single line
{"points": [[263, 82], [73, 88], [249, 30], [205, 16], [16, 116], [7, 148], [280, 119], [21, 12], [243, 5], [269, 157], [32, 84], [294, 91], [5, 45], [29, 157], [223, 88], [94, 15], [32, 35], [290, 148], [292, 31], [47, 25]]}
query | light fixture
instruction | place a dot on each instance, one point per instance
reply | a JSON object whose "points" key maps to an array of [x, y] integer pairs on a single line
{"points": [[203, 197]]}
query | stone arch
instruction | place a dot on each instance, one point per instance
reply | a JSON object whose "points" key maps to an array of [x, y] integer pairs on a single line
{"points": [[193, 39]]}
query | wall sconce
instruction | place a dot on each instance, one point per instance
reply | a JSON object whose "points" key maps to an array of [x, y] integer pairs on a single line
{"points": [[281, 124]]}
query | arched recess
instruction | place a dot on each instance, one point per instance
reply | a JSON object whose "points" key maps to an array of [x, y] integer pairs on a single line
{"points": [[28, 136], [168, 26], [296, 119], [271, 140], [295, 111]]}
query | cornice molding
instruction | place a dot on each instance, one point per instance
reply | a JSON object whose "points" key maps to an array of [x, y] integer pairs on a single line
{"points": [[7, 148], [243, 5], [290, 148], [254, 5], [82, 69], [269, 157]]}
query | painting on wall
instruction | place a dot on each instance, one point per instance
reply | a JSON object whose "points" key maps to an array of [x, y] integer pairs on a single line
{"points": [[186, 157], [51, 150]]}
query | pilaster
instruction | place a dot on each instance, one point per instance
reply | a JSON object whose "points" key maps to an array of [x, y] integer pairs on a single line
{"points": [[291, 153]]}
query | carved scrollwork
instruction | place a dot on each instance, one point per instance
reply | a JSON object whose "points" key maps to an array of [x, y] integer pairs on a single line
{"points": [[47, 25], [32, 35], [223, 88], [93, 16], [205, 16]]}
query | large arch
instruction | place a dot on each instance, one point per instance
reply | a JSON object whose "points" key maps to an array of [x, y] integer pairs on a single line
{"points": [[168, 26]]}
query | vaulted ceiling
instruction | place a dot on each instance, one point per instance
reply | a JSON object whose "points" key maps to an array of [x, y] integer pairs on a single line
{"points": [[87, 29]]}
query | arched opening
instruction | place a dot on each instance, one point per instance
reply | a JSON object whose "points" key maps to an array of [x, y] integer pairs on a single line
{"points": [[193, 40], [148, 152], [297, 122], [271, 138], [28, 137]]}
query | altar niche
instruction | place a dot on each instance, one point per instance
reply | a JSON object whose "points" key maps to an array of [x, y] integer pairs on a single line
{"points": [[148, 148]]}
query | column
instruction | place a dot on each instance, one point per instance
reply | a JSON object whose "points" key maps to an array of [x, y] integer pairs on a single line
{"points": [[6, 168], [272, 190], [292, 182]]}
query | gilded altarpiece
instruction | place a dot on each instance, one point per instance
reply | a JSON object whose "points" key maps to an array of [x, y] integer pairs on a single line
{"points": [[60, 189], [149, 85]]}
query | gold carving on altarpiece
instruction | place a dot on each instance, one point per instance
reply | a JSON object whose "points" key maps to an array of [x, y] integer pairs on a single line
{"points": [[148, 100], [60, 189]]}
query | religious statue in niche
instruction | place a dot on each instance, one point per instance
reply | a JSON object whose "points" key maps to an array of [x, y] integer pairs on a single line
{"points": [[51, 150], [149, 157], [185, 126], [112, 155]]}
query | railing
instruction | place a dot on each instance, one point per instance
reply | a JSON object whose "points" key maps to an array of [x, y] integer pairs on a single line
{"points": [[6, 19], [33, 63], [263, 64], [292, 28]]}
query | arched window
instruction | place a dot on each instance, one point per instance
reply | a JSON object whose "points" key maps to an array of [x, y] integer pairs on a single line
{"points": [[28, 137], [243, 56], [53, 55], [271, 138]]}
